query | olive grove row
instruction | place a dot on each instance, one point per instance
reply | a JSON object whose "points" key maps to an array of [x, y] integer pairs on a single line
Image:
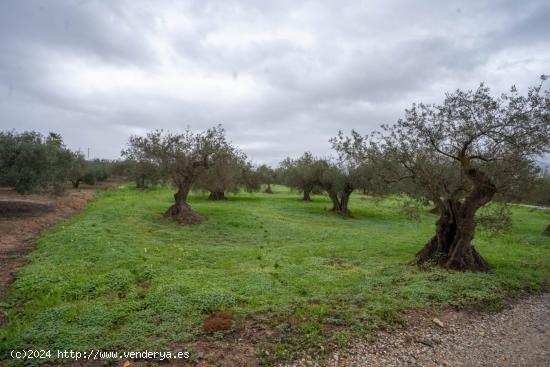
{"points": [[459, 155]]}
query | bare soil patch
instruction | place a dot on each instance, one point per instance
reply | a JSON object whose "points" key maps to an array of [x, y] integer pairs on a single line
{"points": [[15, 209], [218, 321]]}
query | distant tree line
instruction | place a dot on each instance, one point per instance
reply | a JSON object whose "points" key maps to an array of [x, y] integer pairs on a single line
{"points": [[31, 162]]}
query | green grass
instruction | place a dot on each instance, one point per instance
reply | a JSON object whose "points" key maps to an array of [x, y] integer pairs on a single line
{"points": [[119, 276]]}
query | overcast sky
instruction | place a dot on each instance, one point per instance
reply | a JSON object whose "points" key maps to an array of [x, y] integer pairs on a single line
{"points": [[282, 76]]}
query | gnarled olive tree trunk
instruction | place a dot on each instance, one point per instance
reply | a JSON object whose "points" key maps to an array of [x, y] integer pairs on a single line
{"points": [[268, 190], [340, 200], [180, 211], [434, 210], [451, 246], [217, 195], [307, 195], [140, 182]]}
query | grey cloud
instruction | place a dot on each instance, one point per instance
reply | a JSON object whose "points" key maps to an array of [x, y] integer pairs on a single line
{"points": [[100, 30], [281, 76]]}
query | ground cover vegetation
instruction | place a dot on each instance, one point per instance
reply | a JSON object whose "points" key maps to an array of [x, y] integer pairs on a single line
{"points": [[131, 279]]}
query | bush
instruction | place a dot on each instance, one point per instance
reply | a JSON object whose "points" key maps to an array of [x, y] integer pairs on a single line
{"points": [[30, 162], [89, 178]]}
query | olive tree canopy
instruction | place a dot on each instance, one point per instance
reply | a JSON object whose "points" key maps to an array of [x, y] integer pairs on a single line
{"points": [[30, 162], [224, 175], [352, 169], [267, 176], [304, 173]]}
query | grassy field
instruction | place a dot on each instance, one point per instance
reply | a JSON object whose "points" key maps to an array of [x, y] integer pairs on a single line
{"points": [[118, 275]]}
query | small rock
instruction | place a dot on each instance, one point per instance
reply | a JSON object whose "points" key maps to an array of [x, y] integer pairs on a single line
{"points": [[427, 342], [438, 322]]}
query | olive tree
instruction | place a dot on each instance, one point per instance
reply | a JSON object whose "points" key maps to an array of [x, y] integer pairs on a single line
{"points": [[304, 173], [143, 166], [267, 177], [351, 169], [98, 169], [122, 168], [89, 172], [224, 175], [77, 169], [461, 154], [540, 192], [251, 179], [182, 157]]}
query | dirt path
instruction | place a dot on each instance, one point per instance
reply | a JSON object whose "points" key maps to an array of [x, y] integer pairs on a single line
{"points": [[517, 336], [23, 217]]}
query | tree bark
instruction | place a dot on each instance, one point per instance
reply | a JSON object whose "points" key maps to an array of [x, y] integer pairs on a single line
{"points": [[451, 245], [434, 210], [217, 195], [180, 211], [75, 183], [307, 195], [140, 182], [340, 202], [268, 189]]}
